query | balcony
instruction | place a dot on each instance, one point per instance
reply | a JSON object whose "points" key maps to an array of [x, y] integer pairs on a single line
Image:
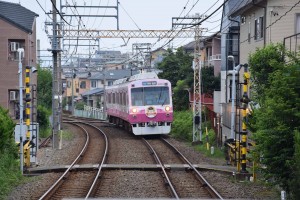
{"points": [[214, 57]]}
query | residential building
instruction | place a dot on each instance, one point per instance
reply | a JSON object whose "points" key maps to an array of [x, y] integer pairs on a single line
{"points": [[94, 97], [257, 23], [17, 30], [210, 51]]}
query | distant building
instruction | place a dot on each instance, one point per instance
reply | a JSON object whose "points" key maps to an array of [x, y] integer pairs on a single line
{"points": [[17, 30]]}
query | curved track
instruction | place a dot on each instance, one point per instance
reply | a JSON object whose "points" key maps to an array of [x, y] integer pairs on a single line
{"points": [[81, 184]]}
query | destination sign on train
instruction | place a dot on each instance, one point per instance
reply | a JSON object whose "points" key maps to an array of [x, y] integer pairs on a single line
{"points": [[149, 83]]}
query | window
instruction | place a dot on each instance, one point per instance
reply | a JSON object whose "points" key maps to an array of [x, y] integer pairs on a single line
{"points": [[94, 84], [298, 23], [259, 28], [82, 84], [109, 83], [150, 96]]}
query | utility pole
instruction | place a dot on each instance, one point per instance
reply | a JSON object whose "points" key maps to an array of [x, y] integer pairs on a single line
{"points": [[197, 105], [56, 91]]}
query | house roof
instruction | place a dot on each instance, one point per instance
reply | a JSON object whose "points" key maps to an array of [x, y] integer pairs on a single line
{"points": [[244, 6], [113, 74], [17, 15], [93, 92]]}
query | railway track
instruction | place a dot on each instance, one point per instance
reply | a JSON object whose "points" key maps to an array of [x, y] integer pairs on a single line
{"points": [[138, 175], [81, 184], [187, 187]]}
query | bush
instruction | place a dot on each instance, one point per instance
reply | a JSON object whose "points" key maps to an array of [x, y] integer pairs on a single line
{"points": [[7, 143], [80, 105], [10, 174], [182, 127], [43, 117]]}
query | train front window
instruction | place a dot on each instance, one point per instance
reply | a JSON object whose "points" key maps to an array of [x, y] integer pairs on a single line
{"points": [[137, 97], [150, 96]]}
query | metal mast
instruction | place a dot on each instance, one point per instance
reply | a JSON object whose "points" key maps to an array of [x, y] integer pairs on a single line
{"points": [[197, 131]]}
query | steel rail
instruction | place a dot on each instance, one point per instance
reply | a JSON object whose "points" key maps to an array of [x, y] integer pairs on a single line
{"points": [[166, 177], [52, 189], [45, 142], [92, 188], [204, 182]]}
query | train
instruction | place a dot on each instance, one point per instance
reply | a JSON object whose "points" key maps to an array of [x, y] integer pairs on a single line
{"points": [[141, 103]]}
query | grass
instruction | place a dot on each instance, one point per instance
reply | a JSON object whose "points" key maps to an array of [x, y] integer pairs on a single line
{"points": [[10, 174], [67, 135], [218, 153], [44, 132]]}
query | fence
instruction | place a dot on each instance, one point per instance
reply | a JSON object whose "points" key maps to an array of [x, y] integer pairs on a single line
{"points": [[90, 112], [290, 43]]}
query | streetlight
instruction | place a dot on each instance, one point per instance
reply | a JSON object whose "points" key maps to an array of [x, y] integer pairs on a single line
{"points": [[21, 51]]}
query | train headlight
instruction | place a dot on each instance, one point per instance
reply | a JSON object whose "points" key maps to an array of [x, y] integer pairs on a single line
{"points": [[167, 108], [134, 110]]}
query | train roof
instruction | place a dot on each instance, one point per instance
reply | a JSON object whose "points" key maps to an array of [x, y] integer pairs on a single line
{"points": [[141, 76]]}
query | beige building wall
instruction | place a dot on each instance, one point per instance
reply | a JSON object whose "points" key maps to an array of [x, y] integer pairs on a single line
{"points": [[284, 27]]}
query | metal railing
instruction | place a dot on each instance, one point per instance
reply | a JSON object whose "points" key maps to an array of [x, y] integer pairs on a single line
{"points": [[90, 112], [290, 43]]}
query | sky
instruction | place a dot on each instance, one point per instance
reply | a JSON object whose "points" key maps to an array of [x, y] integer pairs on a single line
{"points": [[133, 15]]}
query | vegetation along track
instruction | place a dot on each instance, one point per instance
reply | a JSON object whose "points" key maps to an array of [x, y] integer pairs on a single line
{"points": [[80, 184]]}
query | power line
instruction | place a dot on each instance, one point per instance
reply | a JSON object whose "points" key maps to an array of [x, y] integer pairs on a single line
{"points": [[129, 16], [59, 13], [43, 9]]}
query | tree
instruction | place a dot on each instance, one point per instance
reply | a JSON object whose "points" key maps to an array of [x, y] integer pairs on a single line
{"points": [[262, 63], [44, 88], [176, 66], [209, 82], [278, 120]]}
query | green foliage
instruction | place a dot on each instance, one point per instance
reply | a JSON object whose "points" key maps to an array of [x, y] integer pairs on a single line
{"points": [[181, 96], [7, 143], [10, 174], [44, 88], [80, 105], [276, 122], [43, 116], [176, 66], [9, 168], [182, 126], [295, 183], [263, 63], [210, 83]]}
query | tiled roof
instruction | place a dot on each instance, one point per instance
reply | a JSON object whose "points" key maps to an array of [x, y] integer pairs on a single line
{"points": [[114, 74], [92, 92], [17, 15]]}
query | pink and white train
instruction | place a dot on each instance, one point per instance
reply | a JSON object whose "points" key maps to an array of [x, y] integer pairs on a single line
{"points": [[141, 104]]}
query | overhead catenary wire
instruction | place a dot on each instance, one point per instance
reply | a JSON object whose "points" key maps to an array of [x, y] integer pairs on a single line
{"points": [[129, 16]]}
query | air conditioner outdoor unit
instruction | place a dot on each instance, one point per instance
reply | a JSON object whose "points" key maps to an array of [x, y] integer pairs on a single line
{"points": [[14, 46], [12, 95]]}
